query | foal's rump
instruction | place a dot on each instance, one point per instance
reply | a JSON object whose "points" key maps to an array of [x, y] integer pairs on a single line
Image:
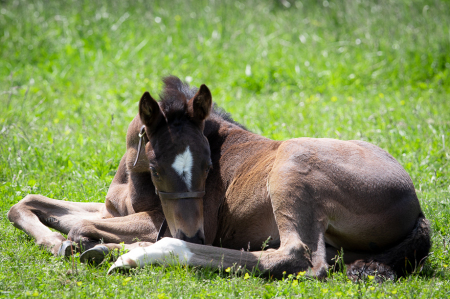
{"points": [[365, 199]]}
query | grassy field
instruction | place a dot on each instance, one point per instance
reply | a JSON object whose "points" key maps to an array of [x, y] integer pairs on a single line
{"points": [[72, 72]]}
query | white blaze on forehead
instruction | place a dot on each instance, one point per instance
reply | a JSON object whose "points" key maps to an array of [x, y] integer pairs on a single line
{"points": [[183, 166]]}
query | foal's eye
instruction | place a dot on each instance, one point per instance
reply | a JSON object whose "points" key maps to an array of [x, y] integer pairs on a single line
{"points": [[154, 172]]}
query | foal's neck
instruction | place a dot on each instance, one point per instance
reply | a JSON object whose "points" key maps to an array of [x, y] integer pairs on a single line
{"points": [[222, 134]]}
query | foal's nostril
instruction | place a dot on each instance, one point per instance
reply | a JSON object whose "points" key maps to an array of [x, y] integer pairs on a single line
{"points": [[197, 239]]}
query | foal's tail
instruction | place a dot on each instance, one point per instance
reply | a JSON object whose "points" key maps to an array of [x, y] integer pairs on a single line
{"points": [[404, 258]]}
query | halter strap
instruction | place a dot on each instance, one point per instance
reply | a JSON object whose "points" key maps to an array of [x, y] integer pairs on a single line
{"points": [[180, 195], [162, 230], [141, 135]]}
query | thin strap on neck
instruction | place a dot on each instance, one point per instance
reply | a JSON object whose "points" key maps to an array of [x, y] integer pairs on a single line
{"points": [[141, 136]]}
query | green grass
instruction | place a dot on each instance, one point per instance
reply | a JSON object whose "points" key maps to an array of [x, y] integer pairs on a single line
{"points": [[72, 72]]}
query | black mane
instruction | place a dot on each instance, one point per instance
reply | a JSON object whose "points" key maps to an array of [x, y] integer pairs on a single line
{"points": [[221, 113], [174, 97]]}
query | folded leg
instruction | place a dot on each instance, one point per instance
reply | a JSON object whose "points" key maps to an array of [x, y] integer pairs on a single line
{"points": [[36, 214], [143, 226]]}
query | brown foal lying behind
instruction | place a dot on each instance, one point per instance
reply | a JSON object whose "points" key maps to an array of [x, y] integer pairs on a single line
{"points": [[218, 184]]}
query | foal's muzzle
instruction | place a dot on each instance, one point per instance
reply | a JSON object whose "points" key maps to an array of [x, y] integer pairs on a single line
{"points": [[184, 215], [199, 237]]}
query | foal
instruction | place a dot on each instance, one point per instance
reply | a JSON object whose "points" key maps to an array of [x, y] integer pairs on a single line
{"points": [[311, 197]]}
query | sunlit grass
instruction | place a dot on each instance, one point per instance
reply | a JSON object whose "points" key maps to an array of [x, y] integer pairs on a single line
{"points": [[72, 72]]}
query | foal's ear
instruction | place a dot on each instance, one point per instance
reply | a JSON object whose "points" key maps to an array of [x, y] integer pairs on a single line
{"points": [[200, 105], [149, 112]]}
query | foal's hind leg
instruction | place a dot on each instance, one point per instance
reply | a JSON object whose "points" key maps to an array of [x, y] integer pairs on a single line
{"points": [[34, 214], [299, 216], [359, 265]]}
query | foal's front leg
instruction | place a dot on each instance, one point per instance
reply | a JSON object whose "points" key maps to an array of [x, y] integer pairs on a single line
{"points": [[128, 232], [172, 251], [129, 229], [99, 252], [302, 245], [34, 214]]}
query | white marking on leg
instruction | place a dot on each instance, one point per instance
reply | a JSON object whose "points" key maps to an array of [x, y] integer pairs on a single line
{"points": [[168, 251], [183, 166]]}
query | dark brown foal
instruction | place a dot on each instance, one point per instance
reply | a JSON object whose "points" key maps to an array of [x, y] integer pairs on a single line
{"points": [[215, 183]]}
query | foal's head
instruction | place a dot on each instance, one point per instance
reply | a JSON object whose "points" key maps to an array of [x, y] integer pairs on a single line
{"points": [[179, 154]]}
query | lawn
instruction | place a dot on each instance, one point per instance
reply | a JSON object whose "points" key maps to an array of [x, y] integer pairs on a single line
{"points": [[72, 73]]}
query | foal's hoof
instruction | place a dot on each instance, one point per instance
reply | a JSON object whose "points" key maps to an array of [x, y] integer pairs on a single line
{"points": [[362, 269], [119, 267], [94, 256], [67, 248]]}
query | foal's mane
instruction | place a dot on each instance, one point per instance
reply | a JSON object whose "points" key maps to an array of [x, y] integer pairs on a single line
{"points": [[174, 97]]}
